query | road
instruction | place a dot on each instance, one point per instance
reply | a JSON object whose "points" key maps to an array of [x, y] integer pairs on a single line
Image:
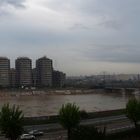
{"points": [[113, 124], [54, 131], [95, 121]]}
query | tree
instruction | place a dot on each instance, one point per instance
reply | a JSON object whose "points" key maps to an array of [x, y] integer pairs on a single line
{"points": [[133, 111], [11, 121], [69, 116]]}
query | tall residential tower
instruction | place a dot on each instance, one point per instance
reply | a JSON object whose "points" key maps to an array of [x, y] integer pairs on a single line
{"points": [[44, 70], [24, 71], [4, 72]]}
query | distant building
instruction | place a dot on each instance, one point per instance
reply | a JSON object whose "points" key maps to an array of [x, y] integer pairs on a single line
{"points": [[12, 78], [23, 72], [58, 79], [4, 72], [44, 72], [124, 77]]}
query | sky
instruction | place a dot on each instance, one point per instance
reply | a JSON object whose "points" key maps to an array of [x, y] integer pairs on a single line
{"points": [[83, 37]]}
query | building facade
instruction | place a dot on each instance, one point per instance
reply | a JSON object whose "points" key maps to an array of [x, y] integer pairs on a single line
{"points": [[23, 72], [4, 72], [44, 70], [34, 77], [12, 78], [59, 79]]}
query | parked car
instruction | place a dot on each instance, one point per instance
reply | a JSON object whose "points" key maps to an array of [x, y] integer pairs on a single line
{"points": [[27, 137], [36, 133]]}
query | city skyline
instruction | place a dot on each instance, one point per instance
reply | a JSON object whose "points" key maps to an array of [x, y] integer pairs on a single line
{"points": [[82, 37], [23, 75], [102, 72]]}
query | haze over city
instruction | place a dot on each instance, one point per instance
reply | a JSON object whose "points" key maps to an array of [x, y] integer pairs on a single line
{"points": [[82, 37]]}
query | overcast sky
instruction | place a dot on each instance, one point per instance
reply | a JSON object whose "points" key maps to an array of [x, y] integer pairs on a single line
{"points": [[82, 37]]}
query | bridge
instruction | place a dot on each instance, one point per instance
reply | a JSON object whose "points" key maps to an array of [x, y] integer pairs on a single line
{"points": [[122, 90]]}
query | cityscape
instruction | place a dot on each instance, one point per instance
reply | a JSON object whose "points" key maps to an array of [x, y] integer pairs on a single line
{"points": [[23, 76], [69, 70]]}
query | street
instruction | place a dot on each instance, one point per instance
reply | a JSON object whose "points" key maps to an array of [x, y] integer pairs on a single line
{"points": [[54, 131]]}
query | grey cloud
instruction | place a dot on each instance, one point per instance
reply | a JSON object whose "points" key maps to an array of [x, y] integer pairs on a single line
{"points": [[4, 6], [114, 53], [34, 37], [91, 20], [79, 26], [111, 24], [111, 14], [3, 13], [14, 3]]}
